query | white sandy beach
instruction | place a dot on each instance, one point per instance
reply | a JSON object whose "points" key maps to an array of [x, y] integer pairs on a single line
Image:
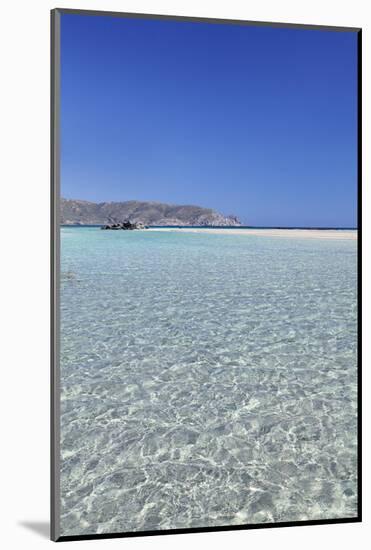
{"points": [[289, 233]]}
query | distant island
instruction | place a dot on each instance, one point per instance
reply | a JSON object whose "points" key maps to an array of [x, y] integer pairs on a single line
{"points": [[80, 212]]}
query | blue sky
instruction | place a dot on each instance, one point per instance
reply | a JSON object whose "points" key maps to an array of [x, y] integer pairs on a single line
{"points": [[254, 121]]}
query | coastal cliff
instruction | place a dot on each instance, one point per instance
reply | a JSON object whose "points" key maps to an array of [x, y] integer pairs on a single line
{"points": [[148, 213]]}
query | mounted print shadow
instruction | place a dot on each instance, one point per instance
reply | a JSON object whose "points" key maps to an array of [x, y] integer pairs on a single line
{"points": [[205, 191]]}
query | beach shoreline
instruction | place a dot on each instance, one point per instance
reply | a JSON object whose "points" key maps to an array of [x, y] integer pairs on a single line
{"points": [[332, 234]]}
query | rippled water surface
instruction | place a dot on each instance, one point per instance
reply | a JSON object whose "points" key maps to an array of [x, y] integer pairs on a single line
{"points": [[206, 380]]}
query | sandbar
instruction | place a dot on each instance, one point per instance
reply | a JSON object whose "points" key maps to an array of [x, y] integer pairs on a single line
{"points": [[333, 234]]}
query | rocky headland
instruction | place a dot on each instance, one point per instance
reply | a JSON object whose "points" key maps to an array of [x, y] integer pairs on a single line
{"points": [[79, 212]]}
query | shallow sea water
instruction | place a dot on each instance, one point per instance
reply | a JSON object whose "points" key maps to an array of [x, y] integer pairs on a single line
{"points": [[206, 380]]}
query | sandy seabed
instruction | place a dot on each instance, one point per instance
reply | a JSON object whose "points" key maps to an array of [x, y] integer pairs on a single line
{"points": [[206, 380]]}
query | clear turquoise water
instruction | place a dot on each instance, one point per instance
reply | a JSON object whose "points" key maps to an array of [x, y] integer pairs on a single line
{"points": [[205, 380]]}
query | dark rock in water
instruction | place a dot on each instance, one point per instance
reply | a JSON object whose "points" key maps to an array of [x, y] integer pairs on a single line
{"points": [[126, 225]]}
